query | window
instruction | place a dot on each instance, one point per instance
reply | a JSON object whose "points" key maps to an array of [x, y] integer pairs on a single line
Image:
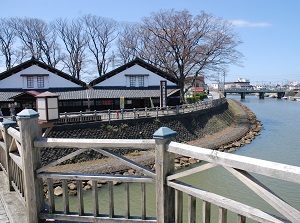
{"points": [[40, 82], [141, 81], [132, 81], [30, 82]]}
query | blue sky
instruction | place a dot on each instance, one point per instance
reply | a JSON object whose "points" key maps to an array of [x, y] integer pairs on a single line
{"points": [[269, 29]]}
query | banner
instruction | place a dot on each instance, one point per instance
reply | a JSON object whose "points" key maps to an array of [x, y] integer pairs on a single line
{"points": [[151, 102], [122, 102]]}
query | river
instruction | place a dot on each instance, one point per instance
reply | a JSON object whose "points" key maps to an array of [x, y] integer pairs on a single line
{"points": [[279, 142]]}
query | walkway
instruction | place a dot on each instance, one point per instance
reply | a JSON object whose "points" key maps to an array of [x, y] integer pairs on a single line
{"points": [[12, 209], [3, 215]]}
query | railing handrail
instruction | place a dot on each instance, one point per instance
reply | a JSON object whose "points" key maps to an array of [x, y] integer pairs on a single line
{"points": [[117, 114], [169, 190]]}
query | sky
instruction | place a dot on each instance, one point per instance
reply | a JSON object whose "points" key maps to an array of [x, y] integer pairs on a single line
{"points": [[269, 29]]}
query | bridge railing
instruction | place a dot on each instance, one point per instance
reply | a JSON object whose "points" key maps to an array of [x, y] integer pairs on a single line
{"points": [[11, 157], [169, 189], [136, 113]]}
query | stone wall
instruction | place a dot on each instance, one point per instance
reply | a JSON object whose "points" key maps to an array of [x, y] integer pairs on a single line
{"points": [[190, 126]]}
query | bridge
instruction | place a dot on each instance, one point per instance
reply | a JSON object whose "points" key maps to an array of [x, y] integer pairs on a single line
{"points": [[20, 161], [261, 93]]}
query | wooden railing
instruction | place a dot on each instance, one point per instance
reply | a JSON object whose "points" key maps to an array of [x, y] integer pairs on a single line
{"points": [[169, 189], [11, 157], [136, 113]]}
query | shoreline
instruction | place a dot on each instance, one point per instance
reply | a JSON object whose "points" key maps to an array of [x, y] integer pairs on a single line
{"points": [[242, 131]]}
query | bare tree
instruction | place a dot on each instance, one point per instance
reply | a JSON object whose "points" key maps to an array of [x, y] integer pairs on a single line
{"points": [[75, 41], [38, 39], [102, 32], [128, 41], [7, 41], [184, 45]]}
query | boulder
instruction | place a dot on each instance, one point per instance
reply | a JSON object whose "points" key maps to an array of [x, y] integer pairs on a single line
{"points": [[192, 160], [87, 187], [72, 186], [58, 191], [90, 182], [72, 192]]}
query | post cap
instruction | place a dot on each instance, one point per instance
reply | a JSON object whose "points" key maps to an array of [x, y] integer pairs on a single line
{"points": [[27, 113], [164, 133], [9, 123]]}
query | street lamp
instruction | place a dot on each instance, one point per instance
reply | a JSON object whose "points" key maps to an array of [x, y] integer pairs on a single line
{"points": [[47, 106]]}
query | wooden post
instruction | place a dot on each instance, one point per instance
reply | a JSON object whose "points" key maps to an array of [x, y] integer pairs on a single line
{"points": [[66, 117], [8, 139], [122, 113], [33, 186], [164, 166]]}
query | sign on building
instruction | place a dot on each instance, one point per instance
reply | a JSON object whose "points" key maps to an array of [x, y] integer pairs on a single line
{"points": [[163, 94]]}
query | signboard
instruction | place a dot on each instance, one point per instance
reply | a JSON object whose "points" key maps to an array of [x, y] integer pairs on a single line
{"points": [[122, 102], [163, 94]]}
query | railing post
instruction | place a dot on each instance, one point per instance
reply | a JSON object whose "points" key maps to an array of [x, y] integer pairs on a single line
{"points": [[177, 109], [66, 118], [108, 111], [95, 115], [80, 116], [164, 166], [146, 112], [33, 186], [8, 139], [122, 113], [134, 111], [156, 111]]}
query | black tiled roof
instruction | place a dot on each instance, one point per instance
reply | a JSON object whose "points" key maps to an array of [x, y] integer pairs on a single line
{"points": [[98, 93], [6, 95]]}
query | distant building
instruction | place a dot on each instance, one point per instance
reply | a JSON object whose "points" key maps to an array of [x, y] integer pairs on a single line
{"points": [[194, 84]]}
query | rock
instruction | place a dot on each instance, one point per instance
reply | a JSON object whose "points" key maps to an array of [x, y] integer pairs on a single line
{"points": [[72, 186], [236, 144], [231, 150], [178, 165], [131, 172], [99, 185], [87, 187], [72, 192], [90, 182], [116, 183], [192, 160], [101, 182], [58, 191], [184, 159], [248, 141]]}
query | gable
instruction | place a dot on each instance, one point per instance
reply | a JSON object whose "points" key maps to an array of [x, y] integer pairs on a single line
{"points": [[36, 77], [122, 79], [136, 67]]}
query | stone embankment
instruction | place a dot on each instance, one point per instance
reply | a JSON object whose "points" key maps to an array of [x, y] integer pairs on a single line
{"points": [[226, 130]]}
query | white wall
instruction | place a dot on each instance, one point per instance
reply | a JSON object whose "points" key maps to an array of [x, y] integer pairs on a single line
{"points": [[120, 78], [50, 81]]}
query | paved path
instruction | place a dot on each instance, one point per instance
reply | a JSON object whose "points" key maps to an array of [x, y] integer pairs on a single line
{"points": [[3, 214], [12, 208]]}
